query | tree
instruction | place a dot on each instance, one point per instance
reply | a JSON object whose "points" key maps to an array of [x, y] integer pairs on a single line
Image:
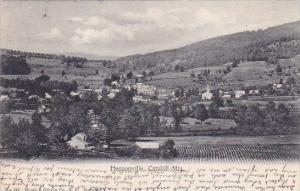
{"points": [[228, 69], [213, 110], [235, 63], [8, 132], [115, 77], [169, 144], [63, 73], [89, 96], [282, 113], [38, 130], [218, 100], [181, 68], [193, 74], [177, 115], [42, 78], [129, 75], [278, 69], [107, 81], [201, 112], [291, 81]]}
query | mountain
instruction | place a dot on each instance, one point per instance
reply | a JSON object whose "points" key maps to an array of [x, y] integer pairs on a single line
{"points": [[271, 44]]}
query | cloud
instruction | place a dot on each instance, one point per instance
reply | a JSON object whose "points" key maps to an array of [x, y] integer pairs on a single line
{"points": [[107, 35], [90, 21], [75, 19], [94, 21], [53, 34]]}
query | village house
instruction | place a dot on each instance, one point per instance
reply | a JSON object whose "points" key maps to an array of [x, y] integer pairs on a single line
{"points": [[78, 142], [138, 98], [254, 92], [277, 86], [47, 95], [240, 93], [139, 77], [162, 94], [143, 89], [111, 95], [43, 109], [207, 95], [4, 98], [73, 94]]}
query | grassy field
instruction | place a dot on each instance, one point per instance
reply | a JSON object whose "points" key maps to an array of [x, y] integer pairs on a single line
{"points": [[246, 74], [53, 68]]}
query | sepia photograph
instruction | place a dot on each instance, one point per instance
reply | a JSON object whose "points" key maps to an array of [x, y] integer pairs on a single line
{"points": [[165, 81]]}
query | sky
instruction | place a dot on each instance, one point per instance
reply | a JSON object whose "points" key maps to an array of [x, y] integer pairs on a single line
{"points": [[120, 28]]}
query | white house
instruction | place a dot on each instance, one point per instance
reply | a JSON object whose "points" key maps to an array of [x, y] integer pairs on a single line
{"points": [[78, 142], [43, 109], [47, 96], [111, 95], [137, 99], [115, 84], [4, 98], [207, 95], [226, 96], [145, 89], [74, 93], [127, 87], [163, 94], [277, 86], [254, 92], [240, 93]]}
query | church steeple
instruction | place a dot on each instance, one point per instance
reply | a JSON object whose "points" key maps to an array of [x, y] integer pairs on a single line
{"points": [[207, 88]]}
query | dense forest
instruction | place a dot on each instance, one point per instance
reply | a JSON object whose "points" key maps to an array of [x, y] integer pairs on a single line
{"points": [[265, 45]]}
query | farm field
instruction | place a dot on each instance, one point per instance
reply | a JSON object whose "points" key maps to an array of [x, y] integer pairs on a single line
{"points": [[240, 153], [235, 148]]}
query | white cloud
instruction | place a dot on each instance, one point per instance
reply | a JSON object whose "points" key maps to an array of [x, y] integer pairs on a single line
{"points": [[93, 21], [107, 35], [75, 19], [53, 34]]}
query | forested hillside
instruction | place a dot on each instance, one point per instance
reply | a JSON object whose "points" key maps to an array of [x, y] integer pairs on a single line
{"points": [[264, 45]]}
